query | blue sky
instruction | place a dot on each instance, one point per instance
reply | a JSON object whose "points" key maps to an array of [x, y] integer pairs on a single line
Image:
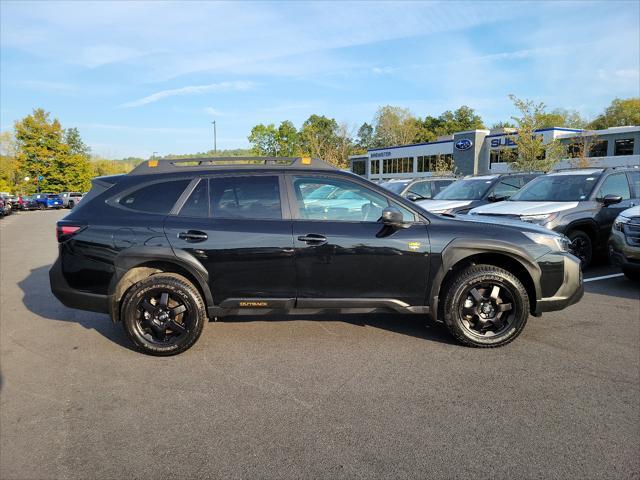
{"points": [[138, 77]]}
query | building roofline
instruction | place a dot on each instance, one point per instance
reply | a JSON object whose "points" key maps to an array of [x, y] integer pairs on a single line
{"points": [[409, 145]]}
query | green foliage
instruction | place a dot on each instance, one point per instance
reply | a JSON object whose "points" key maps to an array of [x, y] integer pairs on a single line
{"points": [[620, 113], [76, 145], [394, 126], [364, 139], [532, 153], [561, 117], [263, 140]]}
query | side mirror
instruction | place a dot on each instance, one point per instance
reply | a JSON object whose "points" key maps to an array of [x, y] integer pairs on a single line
{"points": [[413, 197], [496, 198], [392, 216], [611, 199]]}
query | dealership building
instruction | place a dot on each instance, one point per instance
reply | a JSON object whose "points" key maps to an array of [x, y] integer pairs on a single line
{"points": [[477, 152]]}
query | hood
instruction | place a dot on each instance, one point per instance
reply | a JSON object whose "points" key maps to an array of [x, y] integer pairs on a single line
{"points": [[631, 212], [517, 224], [442, 205], [523, 208]]}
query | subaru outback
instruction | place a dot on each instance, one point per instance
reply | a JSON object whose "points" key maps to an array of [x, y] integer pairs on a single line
{"points": [[177, 242]]}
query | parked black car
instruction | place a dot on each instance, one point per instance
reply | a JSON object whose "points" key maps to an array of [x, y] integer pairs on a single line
{"points": [[2, 208], [7, 207], [175, 242], [579, 203], [472, 191], [418, 188]]}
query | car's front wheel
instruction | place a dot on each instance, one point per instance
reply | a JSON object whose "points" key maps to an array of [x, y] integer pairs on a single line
{"points": [[581, 247], [163, 314], [485, 306]]}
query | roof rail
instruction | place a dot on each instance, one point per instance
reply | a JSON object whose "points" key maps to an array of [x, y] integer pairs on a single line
{"points": [[565, 169], [225, 163]]}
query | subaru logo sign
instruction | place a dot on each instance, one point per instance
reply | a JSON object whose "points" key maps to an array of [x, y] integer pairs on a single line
{"points": [[464, 144]]}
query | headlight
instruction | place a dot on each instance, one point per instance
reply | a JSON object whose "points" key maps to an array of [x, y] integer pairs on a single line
{"points": [[554, 242], [620, 222], [539, 219]]}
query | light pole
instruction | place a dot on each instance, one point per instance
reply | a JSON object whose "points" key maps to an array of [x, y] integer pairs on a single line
{"points": [[215, 146]]}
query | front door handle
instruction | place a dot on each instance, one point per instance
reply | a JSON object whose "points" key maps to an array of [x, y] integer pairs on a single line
{"points": [[313, 239], [193, 236]]}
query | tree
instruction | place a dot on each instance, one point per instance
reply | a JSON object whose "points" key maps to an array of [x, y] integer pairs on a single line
{"points": [[364, 139], [531, 153], [394, 126], [264, 140], [620, 113], [76, 144], [501, 124], [41, 152], [462, 119], [288, 140], [561, 117]]}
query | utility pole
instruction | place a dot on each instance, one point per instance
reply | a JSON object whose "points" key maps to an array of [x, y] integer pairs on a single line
{"points": [[215, 146]]}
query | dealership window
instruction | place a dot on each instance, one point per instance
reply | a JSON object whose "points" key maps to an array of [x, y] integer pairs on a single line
{"points": [[434, 163], [358, 167], [598, 148], [397, 165], [375, 167], [502, 155], [575, 149], [624, 146]]}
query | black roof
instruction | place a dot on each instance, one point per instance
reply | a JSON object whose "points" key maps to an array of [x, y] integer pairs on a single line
{"points": [[228, 163]]}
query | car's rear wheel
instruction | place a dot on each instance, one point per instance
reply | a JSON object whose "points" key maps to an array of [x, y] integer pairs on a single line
{"points": [[485, 306], [581, 246], [163, 314], [41, 206], [71, 204]]}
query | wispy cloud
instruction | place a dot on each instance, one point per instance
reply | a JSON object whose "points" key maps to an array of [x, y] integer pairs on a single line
{"points": [[213, 112], [238, 86]]}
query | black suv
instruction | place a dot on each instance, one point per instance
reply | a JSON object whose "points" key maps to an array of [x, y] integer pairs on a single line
{"points": [[176, 242]]}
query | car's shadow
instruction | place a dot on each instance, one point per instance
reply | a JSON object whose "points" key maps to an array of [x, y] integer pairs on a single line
{"points": [[38, 299]]}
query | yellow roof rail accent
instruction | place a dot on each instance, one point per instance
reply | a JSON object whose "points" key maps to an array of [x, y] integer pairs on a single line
{"points": [[153, 163], [305, 160]]}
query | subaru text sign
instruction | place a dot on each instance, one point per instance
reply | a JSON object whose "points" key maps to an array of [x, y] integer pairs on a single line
{"points": [[464, 144]]}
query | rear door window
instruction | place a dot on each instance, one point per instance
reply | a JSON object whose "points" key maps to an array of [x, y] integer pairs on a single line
{"points": [[422, 189], [197, 205], [253, 196], [159, 197], [634, 179]]}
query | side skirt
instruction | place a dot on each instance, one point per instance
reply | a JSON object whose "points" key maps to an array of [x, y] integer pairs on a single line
{"points": [[266, 306]]}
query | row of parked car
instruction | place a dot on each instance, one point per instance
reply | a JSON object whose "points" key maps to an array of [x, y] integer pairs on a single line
{"points": [[38, 201], [596, 208]]}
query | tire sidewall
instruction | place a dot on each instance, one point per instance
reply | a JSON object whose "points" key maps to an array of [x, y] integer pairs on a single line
{"points": [[185, 292], [458, 295]]}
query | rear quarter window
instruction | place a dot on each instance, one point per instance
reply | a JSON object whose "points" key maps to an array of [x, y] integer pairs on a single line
{"points": [[159, 197]]}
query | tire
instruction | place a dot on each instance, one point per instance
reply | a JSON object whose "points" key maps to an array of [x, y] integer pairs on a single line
{"points": [[631, 274], [475, 312], [147, 316], [581, 247], [41, 206], [70, 204]]}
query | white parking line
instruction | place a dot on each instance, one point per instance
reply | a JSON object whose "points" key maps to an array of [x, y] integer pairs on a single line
{"points": [[604, 277]]}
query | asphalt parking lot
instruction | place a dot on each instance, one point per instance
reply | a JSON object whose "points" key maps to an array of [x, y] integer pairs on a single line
{"points": [[382, 396]]}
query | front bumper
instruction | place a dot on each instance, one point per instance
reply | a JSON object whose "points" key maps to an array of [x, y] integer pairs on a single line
{"points": [[571, 290], [622, 254], [72, 297]]}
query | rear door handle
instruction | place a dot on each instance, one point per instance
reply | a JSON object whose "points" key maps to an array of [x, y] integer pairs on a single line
{"points": [[193, 236], [313, 239]]}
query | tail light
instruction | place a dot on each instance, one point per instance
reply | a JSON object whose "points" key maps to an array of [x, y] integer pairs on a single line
{"points": [[66, 231]]}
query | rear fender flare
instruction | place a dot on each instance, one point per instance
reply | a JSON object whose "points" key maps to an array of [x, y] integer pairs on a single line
{"points": [[136, 256]]}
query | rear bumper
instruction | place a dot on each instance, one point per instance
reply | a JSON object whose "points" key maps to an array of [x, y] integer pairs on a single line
{"points": [[72, 297], [570, 292]]}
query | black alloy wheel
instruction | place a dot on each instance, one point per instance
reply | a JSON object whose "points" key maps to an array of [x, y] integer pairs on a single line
{"points": [[485, 306], [581, 247], [163, 314]]}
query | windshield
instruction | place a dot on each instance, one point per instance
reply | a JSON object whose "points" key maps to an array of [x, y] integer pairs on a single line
{"points": [[557, 188], [467, 189], [52, 196], [395, 187]]}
